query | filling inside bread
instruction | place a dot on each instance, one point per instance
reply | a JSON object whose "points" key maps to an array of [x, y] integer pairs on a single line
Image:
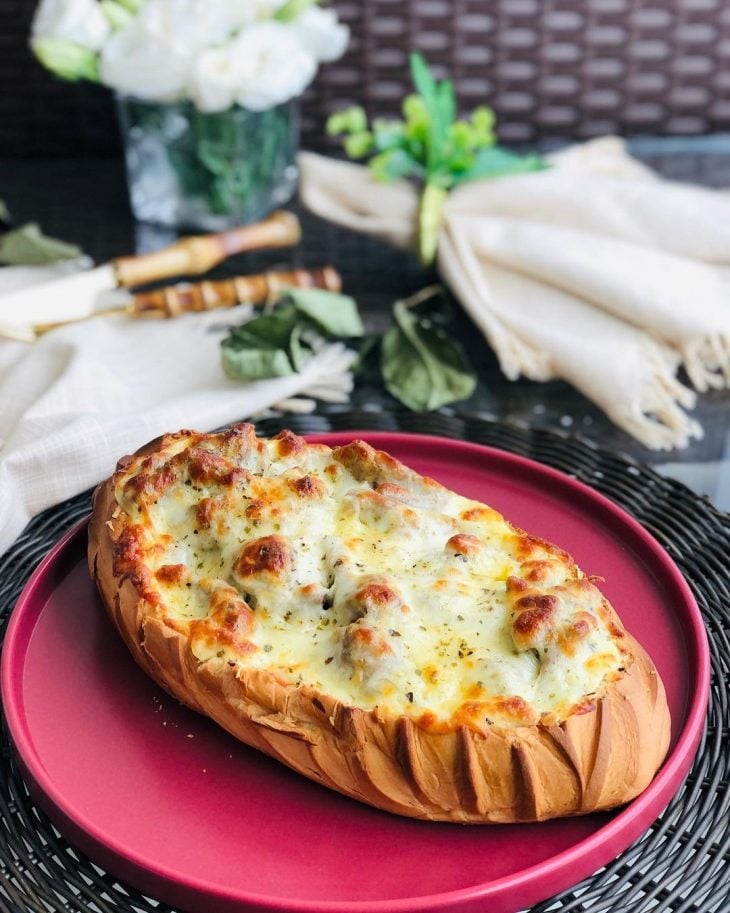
{"points": [[344, 571]]}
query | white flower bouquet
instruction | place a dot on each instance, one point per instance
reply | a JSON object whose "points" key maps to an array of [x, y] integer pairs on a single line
{"points": [[207, 93]]}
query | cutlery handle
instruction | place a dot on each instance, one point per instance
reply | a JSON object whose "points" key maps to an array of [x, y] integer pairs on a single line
{"points": [[207, 296], [196, 255]]}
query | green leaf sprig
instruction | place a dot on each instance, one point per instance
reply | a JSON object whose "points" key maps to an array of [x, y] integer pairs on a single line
{"points": [[420, 364], [431, 145]]}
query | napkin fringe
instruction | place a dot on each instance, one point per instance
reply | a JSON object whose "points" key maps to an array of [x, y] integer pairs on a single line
{"points": [[706, 360], [657, 417], [518, 358]]}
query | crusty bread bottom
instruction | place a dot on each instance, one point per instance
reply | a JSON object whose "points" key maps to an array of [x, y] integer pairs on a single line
{"points": [[593, 761]]}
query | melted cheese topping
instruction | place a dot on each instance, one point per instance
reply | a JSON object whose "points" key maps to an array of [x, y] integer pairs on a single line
{"points": [[348, 572]]}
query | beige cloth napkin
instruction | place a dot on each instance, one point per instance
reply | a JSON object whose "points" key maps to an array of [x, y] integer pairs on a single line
{"points": [[595, 271], [82, 396]]}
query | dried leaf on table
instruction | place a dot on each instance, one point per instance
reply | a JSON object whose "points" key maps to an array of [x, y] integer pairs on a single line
{"points": [[333, 313], [259, 349], [255, 364], [283, 341], [28, 246], [422, 366]]}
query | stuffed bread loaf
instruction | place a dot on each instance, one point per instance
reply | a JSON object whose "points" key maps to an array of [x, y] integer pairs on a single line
{"points": [[373, 630]]}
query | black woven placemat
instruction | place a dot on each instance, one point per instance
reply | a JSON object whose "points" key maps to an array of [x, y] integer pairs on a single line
{"points": [[680, 864]]}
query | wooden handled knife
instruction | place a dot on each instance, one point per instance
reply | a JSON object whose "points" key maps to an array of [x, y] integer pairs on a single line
{"points": [[80, 294]]}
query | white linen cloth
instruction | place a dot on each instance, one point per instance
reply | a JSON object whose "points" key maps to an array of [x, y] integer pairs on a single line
{"points": [[84, 395], [595, 271]]}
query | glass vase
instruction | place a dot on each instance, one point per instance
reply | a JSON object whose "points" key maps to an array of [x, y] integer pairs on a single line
{"points": [[196, 171]]}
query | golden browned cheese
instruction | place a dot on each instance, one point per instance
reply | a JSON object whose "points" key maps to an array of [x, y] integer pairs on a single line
{"points": [[373, 630]]}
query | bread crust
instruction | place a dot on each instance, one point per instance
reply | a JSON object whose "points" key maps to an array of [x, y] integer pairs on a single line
{"points": [[591, 761]]}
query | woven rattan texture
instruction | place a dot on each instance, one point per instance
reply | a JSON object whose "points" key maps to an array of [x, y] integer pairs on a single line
{"points": [[550, 68], [680, 865]]}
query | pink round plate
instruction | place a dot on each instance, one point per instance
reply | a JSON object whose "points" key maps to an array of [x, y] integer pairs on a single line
{"points": [[164, 799]]}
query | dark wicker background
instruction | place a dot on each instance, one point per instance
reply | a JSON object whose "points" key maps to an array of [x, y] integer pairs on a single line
{"points": [[550, 68]]}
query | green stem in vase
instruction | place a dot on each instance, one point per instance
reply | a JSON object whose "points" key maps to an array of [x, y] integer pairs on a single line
{"points": [[207, 169], [241, 153]]}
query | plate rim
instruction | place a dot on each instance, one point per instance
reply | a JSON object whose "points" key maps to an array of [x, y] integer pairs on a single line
{"points": [[652, 801]]}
